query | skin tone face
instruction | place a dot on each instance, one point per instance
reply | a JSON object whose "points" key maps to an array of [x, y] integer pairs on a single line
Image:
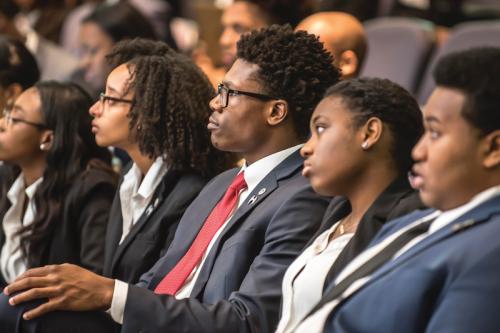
{"points": [[95, 45], [339, 33], [452, 158], [20, 142], [242, 126], [238, 18], [111, 124], [333, 138]]}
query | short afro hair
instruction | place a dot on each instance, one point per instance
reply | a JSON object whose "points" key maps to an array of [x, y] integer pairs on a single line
{"points": [[392, 104], [476, 73], [293, 66]]}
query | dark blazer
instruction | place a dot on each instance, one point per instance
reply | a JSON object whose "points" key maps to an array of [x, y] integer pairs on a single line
{"points": [[396, 200], [448, 282], [239, 286], [152, 233], [79, 236]]}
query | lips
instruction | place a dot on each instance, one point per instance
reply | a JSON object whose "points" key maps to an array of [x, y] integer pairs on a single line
{"points": [[213, 124], [416, 179], [306, 170], [95, 128]]}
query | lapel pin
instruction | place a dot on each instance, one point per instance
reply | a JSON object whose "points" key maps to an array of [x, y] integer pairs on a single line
{"points": [[262, 191], [149, 210], [252, 200], [157, 201]]}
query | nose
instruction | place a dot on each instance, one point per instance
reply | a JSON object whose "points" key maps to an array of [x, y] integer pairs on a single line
{"points": [[225, 38], [96, 109], [215, 105], [419, 152], [308, 148]]}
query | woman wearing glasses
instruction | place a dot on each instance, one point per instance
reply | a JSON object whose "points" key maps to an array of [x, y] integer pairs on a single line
{"points": [[56, 208], [155, 108]]}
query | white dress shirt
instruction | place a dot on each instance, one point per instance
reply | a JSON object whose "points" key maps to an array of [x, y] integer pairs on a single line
{"points": [[316, 322], [12, 261], [304, 279], [136, 192], [254, 174]]}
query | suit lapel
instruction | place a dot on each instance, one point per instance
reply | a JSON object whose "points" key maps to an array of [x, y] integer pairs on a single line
{"points": [[162, 191], [270, 183], [191, 223], [476, 216]]}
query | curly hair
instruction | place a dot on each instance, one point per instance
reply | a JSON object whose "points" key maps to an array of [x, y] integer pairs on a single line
{"points": [[293, 66], [476, 73], [392, 104], [170, 106], [284, 11]]}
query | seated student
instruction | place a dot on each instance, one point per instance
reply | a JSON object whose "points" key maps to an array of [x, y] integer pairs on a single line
{"points": [[223, 269], [56, 210], [362, 135], [18, 72], [436, 270], [165, 135]]}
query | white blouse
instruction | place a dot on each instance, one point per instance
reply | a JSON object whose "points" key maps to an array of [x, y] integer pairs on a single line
{"points": [[12, 261], [304, 279]]}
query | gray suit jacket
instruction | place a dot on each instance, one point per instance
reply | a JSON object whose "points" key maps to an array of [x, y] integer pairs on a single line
{"points": [[239, 286]]}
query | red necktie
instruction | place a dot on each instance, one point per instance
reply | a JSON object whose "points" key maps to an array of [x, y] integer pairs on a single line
{"points": [[175, 279]]}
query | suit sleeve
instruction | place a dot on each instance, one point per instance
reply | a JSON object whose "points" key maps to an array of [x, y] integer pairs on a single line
{"points": [[92, 221], [470, 303], [255, 306]]}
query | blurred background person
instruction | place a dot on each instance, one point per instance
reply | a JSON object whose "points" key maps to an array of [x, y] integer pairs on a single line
{"points": [[106, 25], [56, 210], [343, 36]]}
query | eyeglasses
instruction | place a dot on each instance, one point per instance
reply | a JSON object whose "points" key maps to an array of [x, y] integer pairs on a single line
{"points": [[224, 93], [9, 120], [103, 98]]}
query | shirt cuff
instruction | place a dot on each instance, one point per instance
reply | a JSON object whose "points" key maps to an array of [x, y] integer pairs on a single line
{"points": [[118, 302]]}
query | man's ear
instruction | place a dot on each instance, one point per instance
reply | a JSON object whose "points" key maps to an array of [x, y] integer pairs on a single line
{"points": [[348, 63], [492, 143], [278, 112], [371, 132]]}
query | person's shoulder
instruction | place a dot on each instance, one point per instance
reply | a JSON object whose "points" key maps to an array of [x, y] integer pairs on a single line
{"points": [[96, 174]]}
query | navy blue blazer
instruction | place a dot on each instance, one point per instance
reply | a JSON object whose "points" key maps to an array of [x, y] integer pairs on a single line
{"points": [[239, 286], [448, 282]]}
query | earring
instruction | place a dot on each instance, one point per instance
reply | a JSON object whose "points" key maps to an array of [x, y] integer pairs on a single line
{"points": [[364, 146], [42, 146]]}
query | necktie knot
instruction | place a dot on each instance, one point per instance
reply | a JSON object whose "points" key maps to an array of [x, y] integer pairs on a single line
{"points": [[238, 183]]}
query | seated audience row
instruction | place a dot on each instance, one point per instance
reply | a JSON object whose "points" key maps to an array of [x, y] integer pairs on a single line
{"points": [[239, 249]]}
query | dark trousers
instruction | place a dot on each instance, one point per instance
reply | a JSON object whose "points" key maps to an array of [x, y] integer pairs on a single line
{"points": [[11, 320]]}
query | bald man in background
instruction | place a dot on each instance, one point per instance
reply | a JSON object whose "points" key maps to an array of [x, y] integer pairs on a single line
{"points": [[343, 35]]}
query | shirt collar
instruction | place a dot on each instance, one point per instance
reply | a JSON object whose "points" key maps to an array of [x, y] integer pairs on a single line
{"points": [[153, 177], [18, 187], [450, 215], [255, 172]]}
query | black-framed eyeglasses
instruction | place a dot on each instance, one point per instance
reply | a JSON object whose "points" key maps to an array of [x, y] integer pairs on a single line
{"points": [[9, 120], [224, 93], [103, 98]]}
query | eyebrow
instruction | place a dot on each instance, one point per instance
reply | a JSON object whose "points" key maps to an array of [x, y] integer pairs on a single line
{"points": [[17, 108], [113, 90], [431, 119]]}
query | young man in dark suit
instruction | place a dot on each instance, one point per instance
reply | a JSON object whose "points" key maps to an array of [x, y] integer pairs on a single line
{"points": [[436, 270], [223, 270]]}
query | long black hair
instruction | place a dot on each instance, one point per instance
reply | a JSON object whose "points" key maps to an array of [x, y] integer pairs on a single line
{"points": [[170, 106], [64, 108]]}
